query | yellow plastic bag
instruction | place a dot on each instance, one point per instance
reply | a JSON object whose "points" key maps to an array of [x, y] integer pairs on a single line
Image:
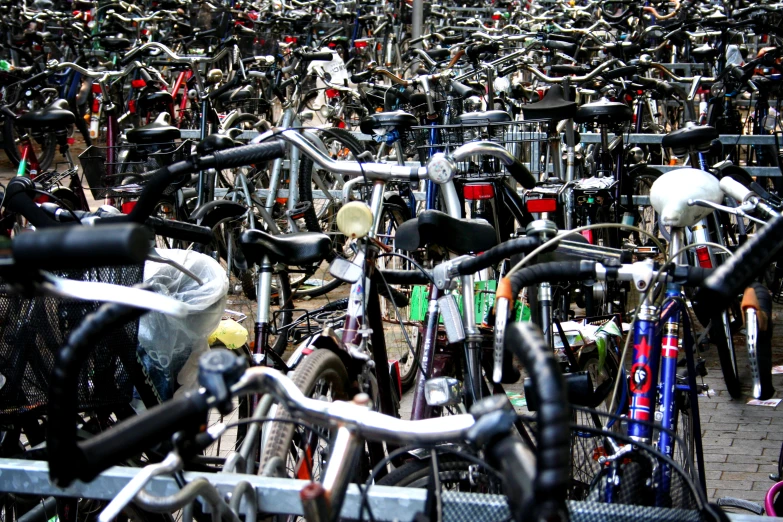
{"points": [[230, 334]]}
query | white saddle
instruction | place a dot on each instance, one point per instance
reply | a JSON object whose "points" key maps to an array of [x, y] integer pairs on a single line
{"points": [[670, 193]]}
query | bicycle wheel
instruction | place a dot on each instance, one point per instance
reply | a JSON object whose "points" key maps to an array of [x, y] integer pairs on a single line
{"points": [[645, 216], [761, 360], [720, 335], [684, 454], [301, 453], [44, 148], [455, 474]]}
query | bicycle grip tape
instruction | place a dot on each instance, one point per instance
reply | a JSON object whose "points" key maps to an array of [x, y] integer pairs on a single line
{"points": [[79, 247], [137, 434], [241, 156]]}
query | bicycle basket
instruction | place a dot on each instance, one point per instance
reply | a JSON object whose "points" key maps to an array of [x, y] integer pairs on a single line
{"points": [[107, 179], [640, 475], [32, 330]]}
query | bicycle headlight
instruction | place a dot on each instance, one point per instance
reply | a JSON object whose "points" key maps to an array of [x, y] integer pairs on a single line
{"points": [[355, 219]]}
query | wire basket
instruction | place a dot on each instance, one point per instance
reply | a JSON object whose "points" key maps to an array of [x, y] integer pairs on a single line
{"points": [[116, 179], [32, 331], [639, 473], [526, 140]]}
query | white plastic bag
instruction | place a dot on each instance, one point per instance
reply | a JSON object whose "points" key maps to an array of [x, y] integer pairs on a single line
{"points": [[169, 342]]}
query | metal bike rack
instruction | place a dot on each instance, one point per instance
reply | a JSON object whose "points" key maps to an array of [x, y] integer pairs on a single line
{"points": [[276, 495]]}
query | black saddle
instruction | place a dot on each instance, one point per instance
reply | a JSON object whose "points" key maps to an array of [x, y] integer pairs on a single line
{"points": [[239, 94], [302, 248], [56, 115], [699, 137], [158, 131], [154, 99], [553, 106], [484, 117], [432, 227], [705, 53], [603, 112], [114, 44], [387, 121]]}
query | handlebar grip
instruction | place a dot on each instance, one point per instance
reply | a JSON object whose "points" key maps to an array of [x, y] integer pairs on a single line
{"points": [[735, 189], [159, 180], [406, 277], [474, 51], [553, 461], [733, 276], [224, 88], [82, 247], [556, 45], [506, 249], [569, 69], [521, 174], [137, 434], [35, 79], [453, 39], [621, 72], [128, 58], [360, 77], [661, 86], [18, 200], [180, 230], [246, 155], [323, 56]]}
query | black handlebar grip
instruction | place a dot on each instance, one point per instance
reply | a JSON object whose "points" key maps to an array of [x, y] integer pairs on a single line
{"points": [[406, 277], [551, 272], [453, 39], [247, 155], [17, 199], [569, 69], [462, 90], [553, 460], [82, 247], [562, 38], [180, 230], [37, 78], [153, 189], [137, 434], [555, 45], [323, 56], [521, 174], [474, 51], [360, 77], [224, 88], [621, 72], [506, 249], [736, 273], [128, 58]]}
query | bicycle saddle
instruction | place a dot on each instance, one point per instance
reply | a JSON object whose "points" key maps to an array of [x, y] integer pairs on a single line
{"points": [[382, 122], [699, 137], [670, 193], [55, 115], [433, 227], [150, 99], [301, 248], [157, 131], [705, 53], [114, 44], [553, 106], [603, 112], [236, 95], [484, 117]]}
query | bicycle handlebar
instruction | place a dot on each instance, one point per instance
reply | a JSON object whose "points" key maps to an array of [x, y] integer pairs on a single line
{"points": [[191, 60]]}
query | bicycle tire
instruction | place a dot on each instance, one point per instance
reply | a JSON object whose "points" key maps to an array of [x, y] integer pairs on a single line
{"points": [[320, 364], [647, 218], [47, 149], [451, 470], [726, 354], [764, 341]]}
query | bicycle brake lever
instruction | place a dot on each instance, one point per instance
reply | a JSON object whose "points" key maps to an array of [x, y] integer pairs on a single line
{"points": [[737, 211]]}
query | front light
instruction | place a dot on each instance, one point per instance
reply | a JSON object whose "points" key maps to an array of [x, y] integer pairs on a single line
{"points": [[442, 391], [355, 219]]}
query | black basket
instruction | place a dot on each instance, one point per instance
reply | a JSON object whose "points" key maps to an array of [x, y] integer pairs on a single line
{"points": [[33, 330], [129, 160], [594, 431]]}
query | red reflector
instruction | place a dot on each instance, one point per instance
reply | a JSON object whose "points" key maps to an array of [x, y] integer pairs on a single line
{"points": [[71, 141], [496, 16], [96, 88], [138, 84], [331, 45], [96, 106], [360, 44], [127, 207], [703, 255], [290, 39], [394, 372], [132, 106], [332, 93], [474, 191], [541, 205]]}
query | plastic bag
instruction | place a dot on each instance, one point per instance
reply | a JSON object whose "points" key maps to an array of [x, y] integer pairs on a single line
{"points": [[169, 345]]}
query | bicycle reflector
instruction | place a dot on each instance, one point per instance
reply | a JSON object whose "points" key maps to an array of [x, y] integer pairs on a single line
{"points": [[138, 84], [360, 44], [703, 255], [541, 205], [355, 219], [474, 191]]}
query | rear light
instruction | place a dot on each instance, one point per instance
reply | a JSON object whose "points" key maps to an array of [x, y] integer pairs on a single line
{"points": [[703, 255], [474, 191], [496, 16], [332, 93], [290, 39], [535, 206], [588, 235], [127, 207], [394, 373], [331, 45], [138, 84], [96, 106], [132, 106], [71, 141], [96, 88], [359, 44]]}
